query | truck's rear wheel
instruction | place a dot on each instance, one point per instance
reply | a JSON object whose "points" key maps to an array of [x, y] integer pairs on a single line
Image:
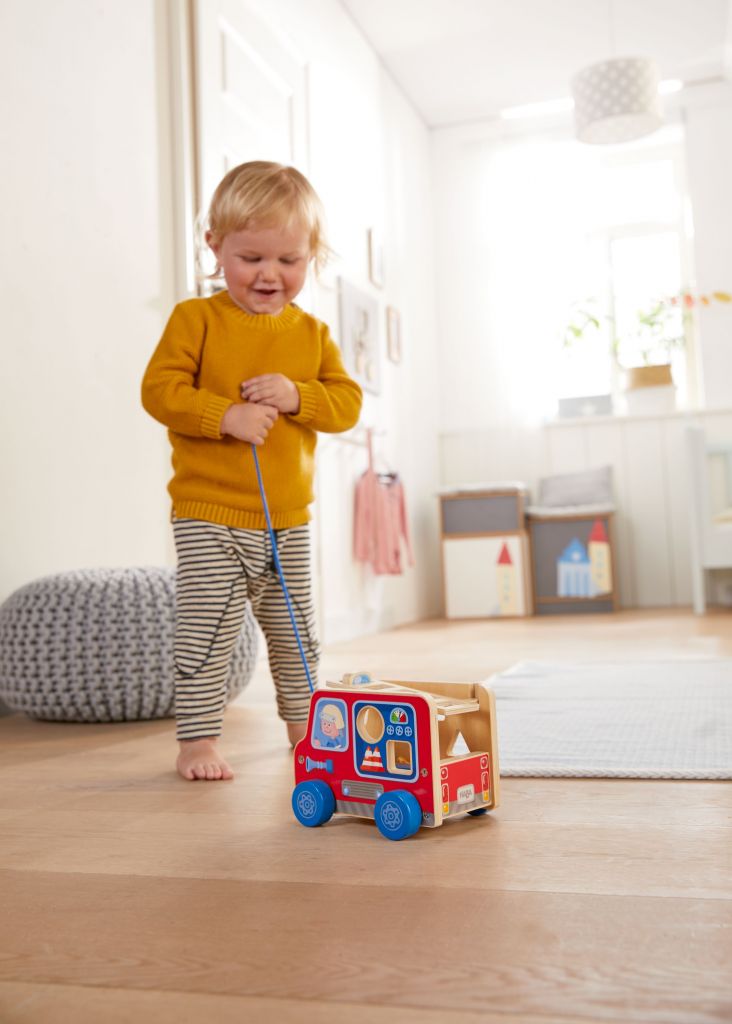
{"points": [[398, 814]]}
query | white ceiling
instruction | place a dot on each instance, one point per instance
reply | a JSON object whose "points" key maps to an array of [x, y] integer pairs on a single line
{"points": [[459, 60]]}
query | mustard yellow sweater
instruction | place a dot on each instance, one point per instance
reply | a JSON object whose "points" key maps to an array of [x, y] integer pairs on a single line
{"points": [[208, 348]]}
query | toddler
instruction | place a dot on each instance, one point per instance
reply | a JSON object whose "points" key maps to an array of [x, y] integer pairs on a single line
{"points": [[243, 367]]}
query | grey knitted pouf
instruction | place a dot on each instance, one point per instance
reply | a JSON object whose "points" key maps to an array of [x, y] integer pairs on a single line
{"points": [[97, 646]]}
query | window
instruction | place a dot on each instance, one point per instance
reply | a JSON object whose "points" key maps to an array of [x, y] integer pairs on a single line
{"points": [[558, 228], [330, 729], [645, 267], [635, 259]]}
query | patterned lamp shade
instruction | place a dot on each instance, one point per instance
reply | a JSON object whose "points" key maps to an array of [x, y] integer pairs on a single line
{"points": [[617, 100]]}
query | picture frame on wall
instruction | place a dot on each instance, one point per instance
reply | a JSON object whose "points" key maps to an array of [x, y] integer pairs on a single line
{"points": [[359, 335], [393, 334], [376, 257]]}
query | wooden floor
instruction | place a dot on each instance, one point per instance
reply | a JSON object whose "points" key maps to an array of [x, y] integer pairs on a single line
{"points": [[127, 894]]}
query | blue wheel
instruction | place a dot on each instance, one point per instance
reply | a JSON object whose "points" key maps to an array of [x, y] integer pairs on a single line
{"points": [[398, 814], [313, 802], [478, 811]]}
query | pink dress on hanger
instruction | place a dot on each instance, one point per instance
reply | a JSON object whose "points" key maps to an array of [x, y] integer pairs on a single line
{"points": [[380, 520]]}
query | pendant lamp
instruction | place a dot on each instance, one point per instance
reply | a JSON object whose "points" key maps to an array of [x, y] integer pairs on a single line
{"points": [[616, 100]]}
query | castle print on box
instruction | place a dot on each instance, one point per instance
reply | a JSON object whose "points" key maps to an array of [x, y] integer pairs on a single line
{"points": [[586, 571], [485, 551], [573, 563], [508, 585], [485, 576]]}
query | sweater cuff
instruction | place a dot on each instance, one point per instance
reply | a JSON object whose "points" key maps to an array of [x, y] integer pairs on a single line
{"points": [[212, 415], [308, 403]]}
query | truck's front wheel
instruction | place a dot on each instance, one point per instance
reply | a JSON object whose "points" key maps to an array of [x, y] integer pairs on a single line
{"points": [[313, 802]]}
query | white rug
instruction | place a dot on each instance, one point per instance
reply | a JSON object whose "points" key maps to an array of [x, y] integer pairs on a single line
{"points": [[637, 720]]}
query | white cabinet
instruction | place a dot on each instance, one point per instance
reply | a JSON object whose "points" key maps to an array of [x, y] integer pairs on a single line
{"points": [[485, 576], [485, 555]]}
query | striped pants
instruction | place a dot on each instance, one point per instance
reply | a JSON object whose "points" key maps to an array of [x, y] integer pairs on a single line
{"points": [[219, 569]]}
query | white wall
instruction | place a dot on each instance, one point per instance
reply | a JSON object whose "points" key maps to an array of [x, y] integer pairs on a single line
{"points": [[89, 272], [709, 164], [84, 266]]}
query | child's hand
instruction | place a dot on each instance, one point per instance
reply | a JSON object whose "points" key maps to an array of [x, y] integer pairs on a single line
{"points": [[273, 389], [249, 422]]}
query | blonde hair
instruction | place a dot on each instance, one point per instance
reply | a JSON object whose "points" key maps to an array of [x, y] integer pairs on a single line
{"points": [[265, 193]]}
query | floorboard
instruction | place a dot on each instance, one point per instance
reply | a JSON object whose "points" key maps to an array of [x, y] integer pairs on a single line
{"points": [[128, 894]]}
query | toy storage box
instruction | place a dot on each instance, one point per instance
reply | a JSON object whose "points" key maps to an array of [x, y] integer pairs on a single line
{"points": [[485, 552], [573, 561]]}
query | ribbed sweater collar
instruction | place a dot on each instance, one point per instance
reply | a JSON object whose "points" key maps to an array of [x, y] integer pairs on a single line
{"points": [[289, 316]]}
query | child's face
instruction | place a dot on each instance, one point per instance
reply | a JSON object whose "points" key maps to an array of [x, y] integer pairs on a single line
{"points": [[264, 267]]}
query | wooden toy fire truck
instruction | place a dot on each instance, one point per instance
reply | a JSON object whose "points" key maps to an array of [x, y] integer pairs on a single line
{"points": [[392, 751]]}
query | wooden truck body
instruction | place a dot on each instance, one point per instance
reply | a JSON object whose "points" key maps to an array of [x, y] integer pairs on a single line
{"points": [[389, 751]]}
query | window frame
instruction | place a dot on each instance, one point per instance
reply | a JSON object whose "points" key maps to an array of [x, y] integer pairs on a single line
{"points": [[682, 227]]}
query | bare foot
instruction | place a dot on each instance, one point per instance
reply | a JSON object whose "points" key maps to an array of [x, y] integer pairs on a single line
{"points": [[199, 759], [296, 731]]}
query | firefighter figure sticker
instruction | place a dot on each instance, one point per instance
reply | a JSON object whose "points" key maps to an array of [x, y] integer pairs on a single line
{"points": [[329, 731]]}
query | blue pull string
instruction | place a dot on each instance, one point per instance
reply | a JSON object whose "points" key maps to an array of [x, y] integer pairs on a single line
{"points": [[278, 567]]}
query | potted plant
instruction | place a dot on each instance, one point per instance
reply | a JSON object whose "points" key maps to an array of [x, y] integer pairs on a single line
{"points": [[644, 351]]}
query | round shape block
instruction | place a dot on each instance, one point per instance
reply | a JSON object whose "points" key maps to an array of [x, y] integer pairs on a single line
{"points": [[398, 814], [313, 802], [370, 724], [97, 646]]}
